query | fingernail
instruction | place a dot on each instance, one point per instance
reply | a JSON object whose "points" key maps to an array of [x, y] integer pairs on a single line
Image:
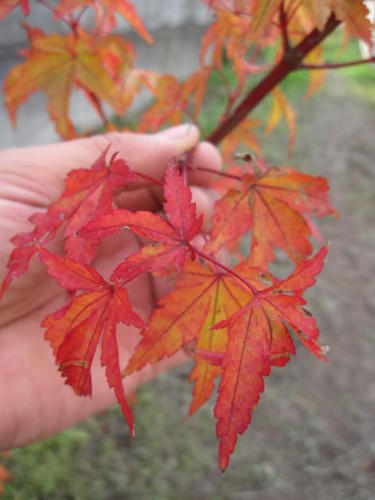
{"points": [[179, 132]]}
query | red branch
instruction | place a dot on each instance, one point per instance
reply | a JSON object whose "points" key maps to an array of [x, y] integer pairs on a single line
{"points": [[337, 65], [290, 62], [284, 28], [95, 101]]}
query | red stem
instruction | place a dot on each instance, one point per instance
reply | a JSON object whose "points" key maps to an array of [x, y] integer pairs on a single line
{"points": [[150, 179], [215, 172], [291, 13], [98, 106], [226, 269], [79, 17], [290, 62], [284, 28], [232, 97], [100, 110], [337, 65]]}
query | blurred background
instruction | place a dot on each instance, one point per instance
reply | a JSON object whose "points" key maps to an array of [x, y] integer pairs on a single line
{"points": [[176, 26], [313, 433]]}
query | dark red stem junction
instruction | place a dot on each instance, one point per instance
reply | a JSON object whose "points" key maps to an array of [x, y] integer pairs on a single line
{"points": [[228, 270], [291, 61]]}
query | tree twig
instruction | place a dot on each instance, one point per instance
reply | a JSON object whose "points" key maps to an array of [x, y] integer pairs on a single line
{"points": [[347, 64], [284, 28], [290, 62]]}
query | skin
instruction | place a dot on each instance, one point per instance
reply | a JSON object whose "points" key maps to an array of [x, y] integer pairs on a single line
{"points": [[34, 402]]}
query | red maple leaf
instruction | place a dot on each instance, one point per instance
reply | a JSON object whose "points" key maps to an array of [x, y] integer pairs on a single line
{"points": [[88, 193], [275, 207], [170, 236], [26, 247], [74, 331], [251, 337]]}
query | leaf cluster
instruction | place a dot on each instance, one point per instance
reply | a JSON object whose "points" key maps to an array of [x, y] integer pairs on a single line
{"points": [[238, 319]]}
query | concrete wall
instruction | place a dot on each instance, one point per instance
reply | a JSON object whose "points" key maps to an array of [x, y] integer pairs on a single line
{"points": [[176, 25]]}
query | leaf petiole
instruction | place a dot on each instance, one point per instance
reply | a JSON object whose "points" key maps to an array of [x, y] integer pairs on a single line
{"points": [[204, 256]]}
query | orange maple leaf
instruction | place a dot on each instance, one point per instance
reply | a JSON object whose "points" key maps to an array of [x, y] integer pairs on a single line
{"points": [[74, 331], [263, 12], [317, 78], [236, 27], [243, 134], [171, 99], [202, 297], [195, 86], [281, 107], [55, 64], [353, 13], [274, 206], [319, 10]]}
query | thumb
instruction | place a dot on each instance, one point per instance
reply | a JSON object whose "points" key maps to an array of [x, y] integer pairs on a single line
{"points": [[52, 162], [150, 153]]}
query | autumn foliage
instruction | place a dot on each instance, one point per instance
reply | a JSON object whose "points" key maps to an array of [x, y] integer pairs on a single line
{"points": [[240, 319]]}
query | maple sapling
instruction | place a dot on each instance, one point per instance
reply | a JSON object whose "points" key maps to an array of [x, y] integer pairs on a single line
{"points": [[238, 317]]}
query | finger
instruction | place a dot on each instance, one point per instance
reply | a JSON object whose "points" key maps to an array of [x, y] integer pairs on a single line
{"points": [[50, 163], [150, 198], [176, 132], [205, 155], [150, 154], [204, 200]]}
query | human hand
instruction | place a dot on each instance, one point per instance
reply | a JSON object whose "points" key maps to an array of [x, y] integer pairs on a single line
{"points": [[34, 402]]}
